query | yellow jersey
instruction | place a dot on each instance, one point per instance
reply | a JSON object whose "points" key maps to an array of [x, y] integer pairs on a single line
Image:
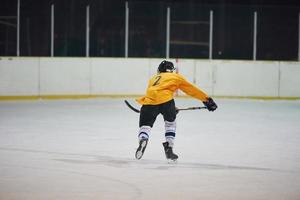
{"points": [[161, 88]]}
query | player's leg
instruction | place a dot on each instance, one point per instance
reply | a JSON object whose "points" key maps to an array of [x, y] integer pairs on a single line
{"points": [[168, 111], [148, 116], [143, 141], [170, 132]]}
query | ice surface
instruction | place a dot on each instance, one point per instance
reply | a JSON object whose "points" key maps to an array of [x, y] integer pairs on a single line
{"points": [[84, 149]]}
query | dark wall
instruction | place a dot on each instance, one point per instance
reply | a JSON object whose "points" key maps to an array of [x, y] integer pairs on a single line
{"points": [[277, 27]]}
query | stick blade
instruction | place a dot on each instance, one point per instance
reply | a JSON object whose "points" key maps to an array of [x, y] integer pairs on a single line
{"points": [[131, 107]]}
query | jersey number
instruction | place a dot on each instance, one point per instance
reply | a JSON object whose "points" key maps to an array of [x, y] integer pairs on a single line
{"points": [[156, 81]]}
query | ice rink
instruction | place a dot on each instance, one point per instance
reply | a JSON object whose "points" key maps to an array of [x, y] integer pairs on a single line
{"points": [[84, 150]]}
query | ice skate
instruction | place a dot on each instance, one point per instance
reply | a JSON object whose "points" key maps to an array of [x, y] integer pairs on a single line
{"points": [[141, 149], [169, 152]]}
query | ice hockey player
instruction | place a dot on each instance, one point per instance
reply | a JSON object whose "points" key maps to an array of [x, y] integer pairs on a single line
{"points": [[159, 100]]}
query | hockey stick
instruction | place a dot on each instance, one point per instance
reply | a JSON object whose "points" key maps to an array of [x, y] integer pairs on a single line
{"points": [[178, 109], [192, 108], [131, 107]]}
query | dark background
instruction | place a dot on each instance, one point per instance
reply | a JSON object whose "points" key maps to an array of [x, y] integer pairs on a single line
{"points": [[277, 28]]}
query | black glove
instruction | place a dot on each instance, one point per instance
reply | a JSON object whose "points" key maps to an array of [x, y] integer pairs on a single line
{"points": [[210, 104]]}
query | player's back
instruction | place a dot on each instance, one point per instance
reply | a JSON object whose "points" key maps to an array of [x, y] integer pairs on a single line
{"points": [[161, 88], [165, 81]]}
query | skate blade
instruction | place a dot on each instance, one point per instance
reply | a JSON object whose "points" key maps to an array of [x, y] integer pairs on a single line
{"points": [[140, 152], [170, 161]]}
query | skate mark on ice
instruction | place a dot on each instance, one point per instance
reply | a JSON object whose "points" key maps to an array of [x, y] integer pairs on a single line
{"points": [[42, 151], [135, 194], [206, 166], [77, 158], [161, 165], [136, 191]]}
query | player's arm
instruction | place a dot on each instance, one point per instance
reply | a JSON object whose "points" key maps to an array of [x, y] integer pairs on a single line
{"points": [[196, 92], [191, 89]]}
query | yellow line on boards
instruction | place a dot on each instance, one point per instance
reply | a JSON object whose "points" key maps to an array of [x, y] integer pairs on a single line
{"points": [[60, 97]]}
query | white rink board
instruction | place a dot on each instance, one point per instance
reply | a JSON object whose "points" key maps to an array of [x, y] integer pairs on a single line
{"points": [[205, 75], [239, 78], [19, 76], [64, 76], [289, 79], [120, 76]]}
